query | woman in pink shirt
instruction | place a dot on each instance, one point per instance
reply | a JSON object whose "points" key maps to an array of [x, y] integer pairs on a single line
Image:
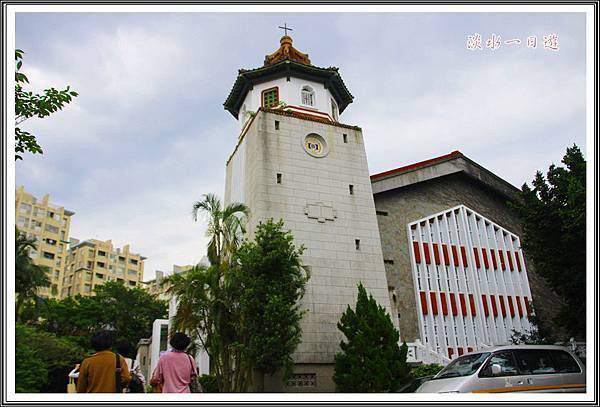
{"points": [[175, 369]]}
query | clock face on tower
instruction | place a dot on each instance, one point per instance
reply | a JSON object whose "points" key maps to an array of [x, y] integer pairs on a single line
{"points": [[315, 145]]}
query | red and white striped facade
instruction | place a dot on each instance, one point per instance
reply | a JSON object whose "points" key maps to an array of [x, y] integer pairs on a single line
{"points": [[470, 281]]}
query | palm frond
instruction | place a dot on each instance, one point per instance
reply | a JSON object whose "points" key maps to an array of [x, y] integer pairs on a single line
{"points": [[235, 208], [210, 204]]}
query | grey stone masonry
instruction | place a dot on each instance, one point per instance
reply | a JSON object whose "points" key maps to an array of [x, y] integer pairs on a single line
{"points": [[327, 203]]}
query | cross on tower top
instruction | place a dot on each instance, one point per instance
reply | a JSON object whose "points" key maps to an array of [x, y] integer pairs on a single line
{"points": [[285, 28]]}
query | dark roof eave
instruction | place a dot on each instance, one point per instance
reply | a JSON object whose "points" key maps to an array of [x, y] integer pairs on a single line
{"points": [[246, 79], [511, 191]]}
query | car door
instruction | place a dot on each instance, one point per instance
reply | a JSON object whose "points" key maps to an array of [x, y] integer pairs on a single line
{"points": [[538, 371], [507, 380]]}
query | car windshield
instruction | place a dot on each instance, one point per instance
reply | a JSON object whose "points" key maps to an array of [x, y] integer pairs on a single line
{"points": [[463, 366]]}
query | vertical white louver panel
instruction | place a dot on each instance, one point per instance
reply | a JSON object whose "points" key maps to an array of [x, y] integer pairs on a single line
{"points": [[470, 281]]}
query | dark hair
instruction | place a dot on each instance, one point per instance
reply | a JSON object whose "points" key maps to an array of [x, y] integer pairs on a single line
{"points": [[122, 347], [180, 341], [102, 340]]}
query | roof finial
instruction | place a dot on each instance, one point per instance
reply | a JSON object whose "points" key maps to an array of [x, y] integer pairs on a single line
{"points": [[285, 28], [286, 51]]}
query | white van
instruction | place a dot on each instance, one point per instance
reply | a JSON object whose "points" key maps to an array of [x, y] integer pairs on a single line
{"points": [[516, 368]]}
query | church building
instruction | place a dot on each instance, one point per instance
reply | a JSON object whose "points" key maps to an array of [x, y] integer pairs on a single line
{"points": [[456, 270], [434, 242]]}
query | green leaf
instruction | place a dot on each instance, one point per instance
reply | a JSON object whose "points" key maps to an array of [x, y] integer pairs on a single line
{"points": [[553, 214], [370, 360], [28, 104]]}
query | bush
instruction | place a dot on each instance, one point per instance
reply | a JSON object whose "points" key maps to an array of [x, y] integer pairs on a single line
{"points": [[425, 370], [208, 383], [30, 372], [370, 360], [43, 361]]}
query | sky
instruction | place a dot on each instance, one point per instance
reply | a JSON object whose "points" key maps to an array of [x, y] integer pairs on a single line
{"points": [[148, 134]]}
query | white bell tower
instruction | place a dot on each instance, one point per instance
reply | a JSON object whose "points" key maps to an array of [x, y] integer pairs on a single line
{"points": [[294, 160]]}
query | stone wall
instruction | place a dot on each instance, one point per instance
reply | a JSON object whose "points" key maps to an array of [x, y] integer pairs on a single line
{"points": [[312, 196], [307, 378], [413, 202]]}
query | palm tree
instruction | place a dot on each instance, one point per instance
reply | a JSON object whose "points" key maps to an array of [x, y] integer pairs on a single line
{"points": [[29, 277], [200, 311], [192, 291], [205, 307], [225, 227]]}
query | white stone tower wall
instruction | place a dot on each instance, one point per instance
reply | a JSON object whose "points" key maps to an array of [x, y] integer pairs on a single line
{"points": [[336, 265], [290, 92]]}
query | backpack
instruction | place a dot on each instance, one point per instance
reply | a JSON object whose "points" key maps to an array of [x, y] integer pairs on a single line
{"points": [[136, 385]]}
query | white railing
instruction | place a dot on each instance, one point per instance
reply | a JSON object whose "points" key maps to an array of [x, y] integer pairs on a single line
{"points": [[578, 348], [419, 353]]}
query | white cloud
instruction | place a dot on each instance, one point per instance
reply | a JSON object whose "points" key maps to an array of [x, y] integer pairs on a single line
{"points": [[147, 135], [490, 107], [149, 204]]}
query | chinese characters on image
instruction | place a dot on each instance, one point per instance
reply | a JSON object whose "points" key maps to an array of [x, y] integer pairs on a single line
{"points": [[495, 41]]}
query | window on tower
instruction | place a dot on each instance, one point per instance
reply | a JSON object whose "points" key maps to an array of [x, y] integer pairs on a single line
{"points": [[308, 96], [334, 110], [243, 114], [270, 98]]}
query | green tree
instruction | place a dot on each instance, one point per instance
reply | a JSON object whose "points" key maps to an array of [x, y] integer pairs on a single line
{"points": [[243, 307], [208, 310], [128, 311], [29, 104], [370, 360], [29, 277], [204, 312], [206, 304], [554, 227], [425, 370], [75, 317], [43, 360], [271, 280], [30, 372], [225, 227], [208, 383], [533, 336]]}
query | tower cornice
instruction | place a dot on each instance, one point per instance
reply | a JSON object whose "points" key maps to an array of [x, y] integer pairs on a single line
{"points": [[285, 68]]}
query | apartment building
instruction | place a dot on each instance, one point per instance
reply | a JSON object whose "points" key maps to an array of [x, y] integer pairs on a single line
{"points": [[155, 287], [49, 225], [93, 262]]}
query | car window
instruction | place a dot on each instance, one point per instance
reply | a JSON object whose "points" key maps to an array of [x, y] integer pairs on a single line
{"points": [[506, 361], [463, 366], [564, 362], [534, 361]]}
